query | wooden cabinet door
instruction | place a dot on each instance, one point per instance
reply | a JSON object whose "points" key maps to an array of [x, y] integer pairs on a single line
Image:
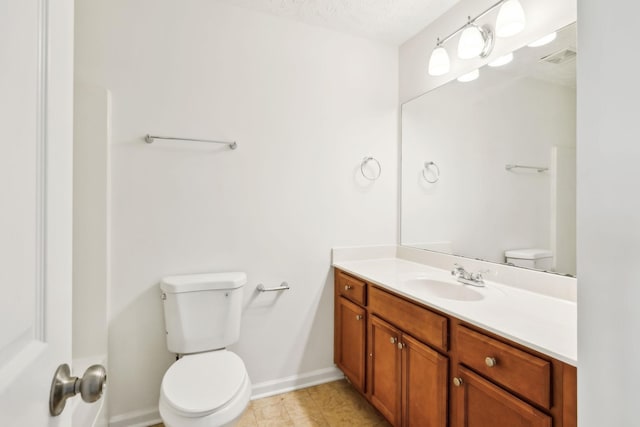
{"points": [[479, 403], [425, 374], [385, 369], [351, 334]]}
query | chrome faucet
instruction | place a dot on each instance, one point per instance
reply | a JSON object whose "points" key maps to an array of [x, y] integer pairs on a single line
{"points": [[467, 278]]}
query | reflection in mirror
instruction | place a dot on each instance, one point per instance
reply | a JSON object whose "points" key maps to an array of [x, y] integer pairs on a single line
{"points": [[504, 148]]}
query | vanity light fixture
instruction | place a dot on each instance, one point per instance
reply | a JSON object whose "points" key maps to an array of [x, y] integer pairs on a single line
{"points": [[544, 40], [469, 77], [503, 60], [439, 61], [511, 19], [475, 40]]}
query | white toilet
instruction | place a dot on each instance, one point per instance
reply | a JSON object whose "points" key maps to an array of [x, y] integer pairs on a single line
{"points": [[209, 385], [539, 259]]}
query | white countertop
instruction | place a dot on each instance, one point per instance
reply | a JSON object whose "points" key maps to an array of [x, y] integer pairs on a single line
{"points": [[540, 322]]}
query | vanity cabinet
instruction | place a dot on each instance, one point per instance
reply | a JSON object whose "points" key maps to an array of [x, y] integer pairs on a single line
{"points": [[351, 341], [480, 403], [350, 329], [408, 380], [423, 368]]}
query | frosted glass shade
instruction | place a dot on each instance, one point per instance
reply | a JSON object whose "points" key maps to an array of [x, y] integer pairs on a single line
{"points": [[471, 42], [439, 62], [511, 19], [469, 76]]}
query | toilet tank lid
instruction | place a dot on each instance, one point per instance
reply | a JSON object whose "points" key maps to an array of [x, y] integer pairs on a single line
{"points": [[203, 282], [528, 253]]}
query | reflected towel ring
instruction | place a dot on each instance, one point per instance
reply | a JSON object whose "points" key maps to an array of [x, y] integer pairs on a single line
{"points": [[436, 175], [364, 163]]}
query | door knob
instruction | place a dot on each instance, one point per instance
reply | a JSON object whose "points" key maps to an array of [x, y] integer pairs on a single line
{"points": [[64, 386]]}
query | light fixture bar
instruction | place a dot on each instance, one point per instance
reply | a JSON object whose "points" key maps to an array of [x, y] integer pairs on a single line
{"points": [[470, 21]]}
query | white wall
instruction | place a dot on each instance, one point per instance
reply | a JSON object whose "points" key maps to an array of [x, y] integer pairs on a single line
{"points": [[472, 130], [90, 220], [305, 106], [608, 214], [543, 17]]}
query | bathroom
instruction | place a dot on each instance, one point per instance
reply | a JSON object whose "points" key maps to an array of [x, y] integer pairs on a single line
{"points": [[305, 104]]}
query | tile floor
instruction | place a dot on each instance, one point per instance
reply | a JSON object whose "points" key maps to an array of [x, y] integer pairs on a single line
{"points": [[334, 404]]}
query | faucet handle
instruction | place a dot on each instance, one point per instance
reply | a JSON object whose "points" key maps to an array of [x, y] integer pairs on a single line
{"points": [[479, 276], [457, 270]]}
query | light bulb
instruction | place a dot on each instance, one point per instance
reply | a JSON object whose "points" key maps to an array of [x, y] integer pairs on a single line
{"points": [[503, 60], [439, 62], [511, 19], [544, 40], [471, 43], [469, 76]]}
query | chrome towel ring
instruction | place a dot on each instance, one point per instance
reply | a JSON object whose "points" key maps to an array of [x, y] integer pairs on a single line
{"points": [[370, 177], [435, 173]]}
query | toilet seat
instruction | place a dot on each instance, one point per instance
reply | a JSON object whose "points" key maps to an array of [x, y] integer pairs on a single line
{"points": [[200, 384]]}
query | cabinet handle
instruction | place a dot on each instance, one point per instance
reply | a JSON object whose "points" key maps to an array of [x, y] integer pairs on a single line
{"points": [[348, 287], [457, 381], [393, 340], [490, 361], [401, 345], [358, 317]]}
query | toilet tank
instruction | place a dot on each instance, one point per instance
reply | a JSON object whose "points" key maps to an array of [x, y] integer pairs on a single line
{"points": [[539, 259], [202, 311]]}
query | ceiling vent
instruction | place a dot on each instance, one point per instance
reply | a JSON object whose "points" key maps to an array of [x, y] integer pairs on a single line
{"points": [[559, 57]]}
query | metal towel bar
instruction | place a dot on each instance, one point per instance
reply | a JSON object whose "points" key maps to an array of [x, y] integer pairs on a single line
{"points": [[538, 168], [283, 287], [149, 139]]}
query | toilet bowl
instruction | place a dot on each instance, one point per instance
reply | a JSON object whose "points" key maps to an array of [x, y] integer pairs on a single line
{"points": [[208, 386], [205, 390]]}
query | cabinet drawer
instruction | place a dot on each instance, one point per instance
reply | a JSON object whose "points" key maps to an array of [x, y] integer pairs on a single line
{"points": [[519, 371], [351, 288], [417, 321]]}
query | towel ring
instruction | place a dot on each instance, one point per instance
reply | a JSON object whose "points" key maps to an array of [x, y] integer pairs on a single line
{"points": [[364, 163], [427, 166]]}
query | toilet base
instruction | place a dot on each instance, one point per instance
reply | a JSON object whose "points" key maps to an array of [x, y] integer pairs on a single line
{"points": [[226, 416]]}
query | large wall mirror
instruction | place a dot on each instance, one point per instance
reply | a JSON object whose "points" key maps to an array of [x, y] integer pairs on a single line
{"points": [[489, 166]]}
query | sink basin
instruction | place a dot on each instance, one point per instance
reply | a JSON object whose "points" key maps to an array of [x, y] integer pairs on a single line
{"points": [[446, 290]]}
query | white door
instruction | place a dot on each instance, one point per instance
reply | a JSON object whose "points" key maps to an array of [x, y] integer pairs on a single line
{"points": [[36, 115]]}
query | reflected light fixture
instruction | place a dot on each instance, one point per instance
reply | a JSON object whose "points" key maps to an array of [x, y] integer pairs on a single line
{"points": [[511, 19], [544, 40], [475, 40], [439, 61], [469, 77], [502, 60]]}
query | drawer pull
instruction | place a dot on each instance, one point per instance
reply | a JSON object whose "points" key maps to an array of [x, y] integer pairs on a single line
{"points": [[490, 361], [348, 287], [393, 340], [358, 317], [457, 381]]}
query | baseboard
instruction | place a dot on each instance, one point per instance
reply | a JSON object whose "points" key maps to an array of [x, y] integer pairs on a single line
{"points": [[295, 382], [148, 417], [142, 418]]}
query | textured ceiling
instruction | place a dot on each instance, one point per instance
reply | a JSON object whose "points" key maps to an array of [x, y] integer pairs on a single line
{"points": [[393, 21]]}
